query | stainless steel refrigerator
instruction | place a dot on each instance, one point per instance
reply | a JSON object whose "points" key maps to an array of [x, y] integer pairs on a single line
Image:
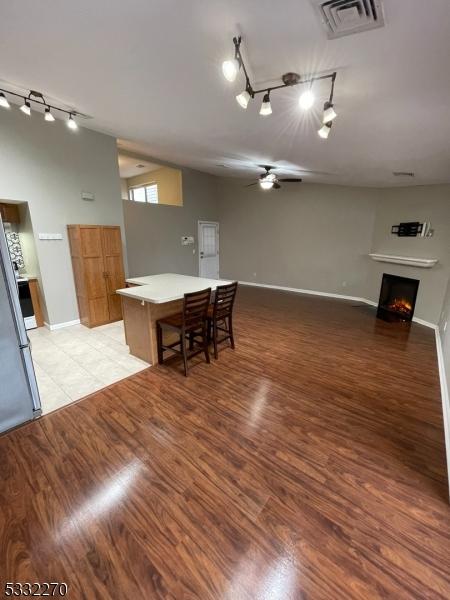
{"points": [[19, 396]]}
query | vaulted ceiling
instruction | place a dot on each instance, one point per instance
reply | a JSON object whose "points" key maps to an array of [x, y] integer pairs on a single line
{"points": [[150, 74]]}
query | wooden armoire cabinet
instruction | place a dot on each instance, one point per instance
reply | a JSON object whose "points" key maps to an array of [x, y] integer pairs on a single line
{"points": [[97, 262]]}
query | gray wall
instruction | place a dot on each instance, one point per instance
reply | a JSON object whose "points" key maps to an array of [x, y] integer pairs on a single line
{"points": [[318, 237], [444, 330], [314, 237], [154, 231], [48, 166], [421, 203]]}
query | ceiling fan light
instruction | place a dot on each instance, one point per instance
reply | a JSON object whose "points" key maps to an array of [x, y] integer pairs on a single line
{"points": [[243, 99], [48, 115], [306, 100], [230, 69], [266, 184], [324, 131], [4, 100], [266, 108], [26, 108], [329, 114]]}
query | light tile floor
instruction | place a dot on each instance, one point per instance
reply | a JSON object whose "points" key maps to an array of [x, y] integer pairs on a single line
{"points": [[73, 362]]}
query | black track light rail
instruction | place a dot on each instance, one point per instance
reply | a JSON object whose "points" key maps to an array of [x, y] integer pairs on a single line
{"points": [[296, 80], [39, 99]]}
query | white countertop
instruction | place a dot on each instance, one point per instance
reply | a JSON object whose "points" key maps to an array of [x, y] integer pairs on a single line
{"points": [[167, 287]]}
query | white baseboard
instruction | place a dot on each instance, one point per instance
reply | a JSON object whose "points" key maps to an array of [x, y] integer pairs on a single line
{"points": [[445, 400], [311, 292], [329, 295], [62, 325]]}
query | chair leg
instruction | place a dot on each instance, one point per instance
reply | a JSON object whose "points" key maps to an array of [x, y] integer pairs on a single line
{"points": [[183, 350], [205, 342], [216, 352], [159, 343], [230, 330]]}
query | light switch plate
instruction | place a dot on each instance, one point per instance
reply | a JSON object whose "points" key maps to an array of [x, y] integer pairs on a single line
{"points": [[50, 236]]}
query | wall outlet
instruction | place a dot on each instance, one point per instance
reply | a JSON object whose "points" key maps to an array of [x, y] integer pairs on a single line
{"points": [[254, 275], [344, 284]]}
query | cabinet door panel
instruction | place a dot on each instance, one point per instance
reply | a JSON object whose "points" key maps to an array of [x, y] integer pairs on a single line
{"points": [[91, 241], [94, 277], [112, 251]]}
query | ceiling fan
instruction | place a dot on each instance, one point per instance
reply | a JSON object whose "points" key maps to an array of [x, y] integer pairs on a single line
{"points": [[270, 180]]}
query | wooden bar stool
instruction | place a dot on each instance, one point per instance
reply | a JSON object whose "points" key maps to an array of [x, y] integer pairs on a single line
{"points": [[220, 315], [190, 324]]}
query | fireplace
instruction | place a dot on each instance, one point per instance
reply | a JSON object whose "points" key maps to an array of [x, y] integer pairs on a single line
{"points": [[397, 298]]}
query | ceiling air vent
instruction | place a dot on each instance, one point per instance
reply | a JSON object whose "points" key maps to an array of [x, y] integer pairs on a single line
{"points": [[402, 173], [345, 17]]}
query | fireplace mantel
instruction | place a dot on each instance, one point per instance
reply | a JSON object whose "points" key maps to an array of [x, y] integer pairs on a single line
{"points": [[410, 261]]}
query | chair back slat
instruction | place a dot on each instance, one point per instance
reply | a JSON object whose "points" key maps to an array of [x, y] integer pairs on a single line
{"points": [[224, 300], [195, 308]]}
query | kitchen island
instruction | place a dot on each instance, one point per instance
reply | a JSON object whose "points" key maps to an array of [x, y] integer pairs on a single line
{"points": [[151, 298]]}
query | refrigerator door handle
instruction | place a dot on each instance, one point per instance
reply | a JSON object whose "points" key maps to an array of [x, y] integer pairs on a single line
{"points": [[13, 290], [29, 368]]}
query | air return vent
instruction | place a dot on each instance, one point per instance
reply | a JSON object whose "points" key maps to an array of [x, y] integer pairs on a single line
{"points": [[345, 17]]}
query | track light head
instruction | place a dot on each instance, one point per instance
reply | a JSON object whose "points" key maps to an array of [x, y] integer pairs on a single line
{"points": [[266, 108], [230, 69], [324, 131], [243, 99], [71, 123], [306, 100], [48, 115], [329, 114], [26, 107], [4, 100]]}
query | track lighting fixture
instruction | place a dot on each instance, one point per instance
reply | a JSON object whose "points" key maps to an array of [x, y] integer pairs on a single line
{"points": [[38, 99], [26, 107], [48, 115], [324, 131], [329, 114], [231, 68], [243, 99], [71, 123], [4, 100], [266, 108], [306, 100]]}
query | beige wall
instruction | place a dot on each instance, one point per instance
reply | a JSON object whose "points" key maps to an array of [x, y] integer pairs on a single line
{"points": [[170, 188], [48, 166], [314, 237], [420, 203]]}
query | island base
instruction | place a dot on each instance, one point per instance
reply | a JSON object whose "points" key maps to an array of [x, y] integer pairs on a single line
{"points": [[139, 318]]}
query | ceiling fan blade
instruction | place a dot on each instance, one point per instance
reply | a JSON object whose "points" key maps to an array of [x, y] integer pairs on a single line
{"points": [[276, 185], [250, 184], [290, 180]]}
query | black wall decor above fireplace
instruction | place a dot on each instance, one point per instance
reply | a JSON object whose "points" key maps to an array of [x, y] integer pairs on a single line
{"points": [[397, 298]]}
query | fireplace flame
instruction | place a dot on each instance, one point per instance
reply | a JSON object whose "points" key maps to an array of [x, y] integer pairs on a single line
{"points": [[401, 305]]}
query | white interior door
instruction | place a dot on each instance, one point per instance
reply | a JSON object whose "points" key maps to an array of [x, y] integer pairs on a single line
{"points": [[208, 249]]}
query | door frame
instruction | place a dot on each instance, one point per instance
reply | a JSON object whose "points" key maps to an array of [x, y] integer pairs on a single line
{"points": [[199, 226]]}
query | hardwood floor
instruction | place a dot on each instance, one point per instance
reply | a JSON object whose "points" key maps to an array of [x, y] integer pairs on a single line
{"points": [[308, 463]]}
